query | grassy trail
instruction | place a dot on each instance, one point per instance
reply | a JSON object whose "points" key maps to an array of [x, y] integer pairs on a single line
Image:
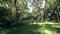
{"points": [[36, 28]]}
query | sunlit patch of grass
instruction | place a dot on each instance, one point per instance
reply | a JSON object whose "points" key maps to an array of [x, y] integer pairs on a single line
{"points": [[46, 31], [48, 27]]}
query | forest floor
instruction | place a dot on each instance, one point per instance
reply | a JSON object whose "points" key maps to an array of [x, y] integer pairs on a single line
{"points": [[37, 28]]}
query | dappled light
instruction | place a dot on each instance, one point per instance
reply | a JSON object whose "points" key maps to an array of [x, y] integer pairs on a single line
{"points": [[29, 16]]}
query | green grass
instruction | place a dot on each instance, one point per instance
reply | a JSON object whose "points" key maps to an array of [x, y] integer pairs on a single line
{"points": [[27, 28]]}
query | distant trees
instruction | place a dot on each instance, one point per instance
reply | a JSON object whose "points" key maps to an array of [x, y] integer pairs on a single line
{"points": [[15, 10]]}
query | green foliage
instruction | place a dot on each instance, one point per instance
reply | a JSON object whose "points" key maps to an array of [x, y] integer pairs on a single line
{"points": [[11, 11], [5, 14], [15, 14]]}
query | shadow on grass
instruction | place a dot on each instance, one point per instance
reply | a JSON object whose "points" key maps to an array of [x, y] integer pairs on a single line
{"points": [[56, 29], [27, 28], [24, 29]]}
